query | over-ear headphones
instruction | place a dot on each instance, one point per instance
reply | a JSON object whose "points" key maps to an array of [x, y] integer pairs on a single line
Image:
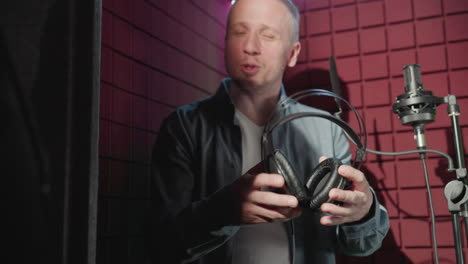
{"points": [[314, 191]]}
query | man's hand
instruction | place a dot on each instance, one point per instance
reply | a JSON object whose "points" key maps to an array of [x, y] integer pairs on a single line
{"points": [[356, 202], [255, 205]]}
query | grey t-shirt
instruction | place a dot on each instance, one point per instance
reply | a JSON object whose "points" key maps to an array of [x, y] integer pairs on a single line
{"points": [[257, 243]]}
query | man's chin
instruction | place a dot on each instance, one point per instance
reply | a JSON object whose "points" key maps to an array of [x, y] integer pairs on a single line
{"points": [[247, 82]]}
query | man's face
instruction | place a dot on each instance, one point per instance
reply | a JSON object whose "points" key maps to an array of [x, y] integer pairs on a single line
{"points": [[259, 43]]}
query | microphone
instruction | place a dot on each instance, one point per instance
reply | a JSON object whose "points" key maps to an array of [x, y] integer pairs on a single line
{"points": [[416, 106]]}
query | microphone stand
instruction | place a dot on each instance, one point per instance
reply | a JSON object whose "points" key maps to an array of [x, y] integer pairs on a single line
{"points": [[456, 191]]}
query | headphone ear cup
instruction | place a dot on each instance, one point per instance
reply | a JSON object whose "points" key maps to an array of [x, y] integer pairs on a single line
{"points": [[278, 163], [324, 178]]}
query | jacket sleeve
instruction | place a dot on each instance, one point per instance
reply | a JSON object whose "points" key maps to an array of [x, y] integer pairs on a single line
{"points": [[182, 229], [364, 237]]}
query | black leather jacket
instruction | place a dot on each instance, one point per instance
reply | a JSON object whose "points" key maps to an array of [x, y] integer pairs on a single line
{"points": [[198, 153]]}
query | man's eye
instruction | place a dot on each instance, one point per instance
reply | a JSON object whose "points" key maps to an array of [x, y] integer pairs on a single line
{"points": [[239, 32], [268, 36]]}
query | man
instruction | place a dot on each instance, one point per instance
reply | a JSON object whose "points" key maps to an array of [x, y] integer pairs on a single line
{"points": [[209, 208]]}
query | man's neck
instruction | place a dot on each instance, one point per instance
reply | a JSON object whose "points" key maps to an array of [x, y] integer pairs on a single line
{"points": [[256, 104]]}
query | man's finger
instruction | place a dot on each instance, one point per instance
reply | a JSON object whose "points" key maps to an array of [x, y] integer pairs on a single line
{"points": [[273, 199], [267, 180], [322, 158], [261, 214], [336, 210], [345, 196], [330, 220], [354, 175], [290, 212]]}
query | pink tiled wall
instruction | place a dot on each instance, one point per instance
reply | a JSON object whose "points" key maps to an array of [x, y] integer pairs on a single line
{"points": [[371, 42], [157, 55]]}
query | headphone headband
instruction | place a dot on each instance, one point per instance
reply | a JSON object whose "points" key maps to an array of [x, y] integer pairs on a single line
{"points": [[293, 99]]}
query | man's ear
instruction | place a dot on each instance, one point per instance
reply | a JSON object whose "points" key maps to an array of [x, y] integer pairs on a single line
{"points": [[294, 54]]}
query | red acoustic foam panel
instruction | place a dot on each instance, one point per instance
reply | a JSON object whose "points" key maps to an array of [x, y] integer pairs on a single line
{"points": [[444, 232], [463, 102], [459, 82], [373, 40], [448, 254], [314, 4], [382, 142], [349, 69], [342, 2], [415, 232], [105, 107], [141, 79], [123, 8], [122, 36], [140, 112], [430, 31], [413, 203], [378, 120], [375, 66], [432, 58], [121, 106], [346, 43], [401, 36], [427, 8], [397, 87], [457, 56], [418, 255], [106, 28], [410, 173], [355, 94], [381, 174], [318, 81], [454, 6], [398, 59], [438, 84], [141, 50], [377, 93], [300, 4], [344, 18], [319, 47], [394, 239], [303, 26], [318, 22], [398, 10], [104, 138], [303, 54], [122, 72], [371, 14], [440, 203], [107, 67], [465, 139], [440, 140], [391, 202], [142, 15]]}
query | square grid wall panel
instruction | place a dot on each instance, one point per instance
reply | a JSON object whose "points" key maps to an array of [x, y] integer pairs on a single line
{"points": [[371, 41], [156, 56]]}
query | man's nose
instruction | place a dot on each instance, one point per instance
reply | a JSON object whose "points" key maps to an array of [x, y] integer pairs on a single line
{"points": [[252, 45]]}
